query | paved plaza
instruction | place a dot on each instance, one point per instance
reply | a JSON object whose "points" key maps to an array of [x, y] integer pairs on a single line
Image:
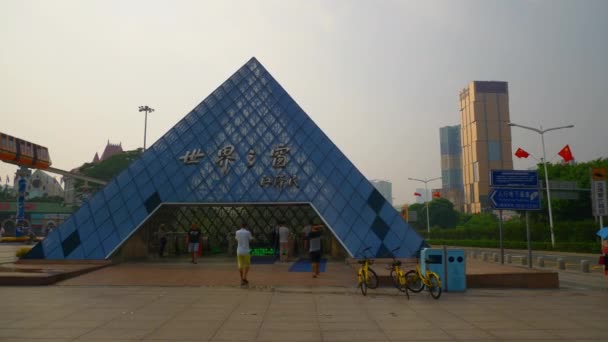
{"points": [[178, 301], [151, 313]]}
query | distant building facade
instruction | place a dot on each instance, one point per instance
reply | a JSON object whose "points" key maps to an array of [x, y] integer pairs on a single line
{"points": [[39, 184], [108, 151], [486, 139], [451, 165], [385, 188]]}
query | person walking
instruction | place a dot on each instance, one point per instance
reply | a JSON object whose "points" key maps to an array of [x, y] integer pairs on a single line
{"points": [[243, 256], [194, 239], [605, 252], [304, 237], [283, 241], [162, 240], [2, 232], [314, 241]]}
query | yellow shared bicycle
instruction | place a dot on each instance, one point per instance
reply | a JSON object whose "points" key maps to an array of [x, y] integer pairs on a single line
{"points": [[416, 281], [365, 275], [398, 275]]}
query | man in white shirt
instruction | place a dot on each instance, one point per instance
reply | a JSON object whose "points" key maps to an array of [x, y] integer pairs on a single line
{"points": [[283, 240], [243, 256]]}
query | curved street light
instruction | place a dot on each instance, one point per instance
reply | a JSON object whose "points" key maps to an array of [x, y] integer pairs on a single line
{"points": [[542, 131], [147, 110], [426, 193]]}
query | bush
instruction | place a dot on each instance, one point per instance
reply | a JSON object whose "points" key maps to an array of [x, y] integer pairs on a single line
{"points": [[575, 247]]}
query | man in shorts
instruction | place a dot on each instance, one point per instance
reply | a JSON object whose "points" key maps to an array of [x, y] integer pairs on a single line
{"points": [[194, 239], [314, 242], [243, 256], [283, 241]]}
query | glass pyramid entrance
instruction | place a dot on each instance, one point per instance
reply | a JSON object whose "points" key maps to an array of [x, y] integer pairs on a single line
{"points": [[247, 143]]}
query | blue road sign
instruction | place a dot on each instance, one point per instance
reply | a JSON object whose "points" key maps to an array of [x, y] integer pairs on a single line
{"points": [[515, 199], [513, 178]]}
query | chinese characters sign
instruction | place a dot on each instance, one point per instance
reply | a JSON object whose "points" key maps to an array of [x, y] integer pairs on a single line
{"points": [[598, 191], [226, 156]]}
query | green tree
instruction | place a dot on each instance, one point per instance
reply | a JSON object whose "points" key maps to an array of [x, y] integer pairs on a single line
{"points": [[107, 169], [441, 214], [571, 210]]}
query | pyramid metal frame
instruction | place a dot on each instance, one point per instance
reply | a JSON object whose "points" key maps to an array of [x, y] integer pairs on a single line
{"points": [[247, 142]]}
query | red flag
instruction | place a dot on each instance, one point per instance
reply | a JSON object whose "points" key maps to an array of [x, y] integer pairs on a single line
{"points": [[436, 194], [566, 153], [417, 194], [521, 153]]}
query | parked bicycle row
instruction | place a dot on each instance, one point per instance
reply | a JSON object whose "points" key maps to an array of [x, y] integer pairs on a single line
{"points": [[414, 280]]}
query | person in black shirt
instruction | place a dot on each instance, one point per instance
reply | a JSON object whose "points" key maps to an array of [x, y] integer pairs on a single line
{"points": [[194, 238]]}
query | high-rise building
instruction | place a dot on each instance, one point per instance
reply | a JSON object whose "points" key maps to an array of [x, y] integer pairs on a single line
{"points": [[486, 139], [451, 165], [385, 188]]}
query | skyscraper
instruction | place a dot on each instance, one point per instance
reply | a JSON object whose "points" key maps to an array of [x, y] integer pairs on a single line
{"points": [[486, 139], [451, 165]]}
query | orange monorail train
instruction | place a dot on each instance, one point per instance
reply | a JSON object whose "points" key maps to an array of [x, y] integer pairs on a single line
{"points": [[23, 153]]}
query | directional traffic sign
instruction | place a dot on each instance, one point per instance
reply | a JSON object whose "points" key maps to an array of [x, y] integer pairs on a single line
{"points": [[515, 199], [513, 178]]}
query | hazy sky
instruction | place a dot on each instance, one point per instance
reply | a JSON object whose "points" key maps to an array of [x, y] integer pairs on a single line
{"points": [[379, 77]]}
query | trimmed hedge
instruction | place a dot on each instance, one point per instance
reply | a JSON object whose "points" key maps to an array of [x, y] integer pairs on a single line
{"points": [[575, 247]]}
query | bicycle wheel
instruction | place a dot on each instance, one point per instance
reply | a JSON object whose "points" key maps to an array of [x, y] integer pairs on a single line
{"points": [[396, 281], [372, 279], [362, 283], [413, 281], [435, 287]]}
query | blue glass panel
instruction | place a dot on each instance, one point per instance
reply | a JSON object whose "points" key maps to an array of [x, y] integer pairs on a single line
{"points": [[67, 228], [349, 215], [86, 228], [371, 240], [399, 227], [338, 202], [76, 254], [388, 213], [125, 228], [354, 245], [101, 215], [392, 241], [111, 189], [330, 215], [56, 254], [123, 178], [51, 242], [97, 254], [139, 214], [340, 228], [355, 177], [105, 229], [357, 201], [128, 192], [81, 215], [367, 214], [365, 189], [111, 243]]}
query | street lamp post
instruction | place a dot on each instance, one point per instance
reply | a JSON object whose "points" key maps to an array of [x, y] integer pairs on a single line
{"points": [[147, 110], [426, 193], [542, 132]]}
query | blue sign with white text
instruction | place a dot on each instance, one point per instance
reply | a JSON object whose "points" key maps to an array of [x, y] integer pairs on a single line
{"points": [[515, 199], [513, 178]]}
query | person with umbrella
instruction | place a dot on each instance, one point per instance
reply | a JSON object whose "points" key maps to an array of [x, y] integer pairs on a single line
{"points": [[603, 233]]}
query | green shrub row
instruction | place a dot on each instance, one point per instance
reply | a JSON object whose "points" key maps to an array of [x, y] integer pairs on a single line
{"points": [[574, 247]]}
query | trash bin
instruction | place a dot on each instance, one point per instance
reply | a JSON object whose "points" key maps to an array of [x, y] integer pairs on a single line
{"points": [[456, 279], [449, 264]]}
